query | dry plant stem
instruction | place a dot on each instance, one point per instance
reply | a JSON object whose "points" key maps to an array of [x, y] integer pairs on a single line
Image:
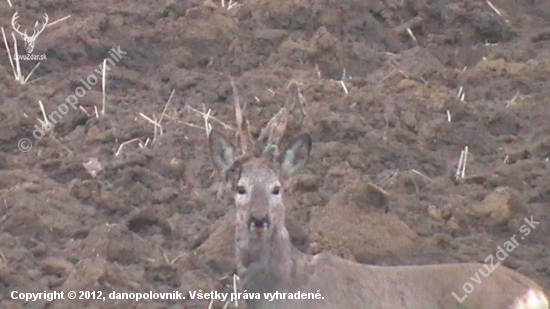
{"points": [[9, 53], [194, 126], [58, 21], [46, 121], [399, 70], [3, 257], [82, 109], [17, 64], [494, 8], [166, 106], [9, 2], [411, 34], [464, 161], [225, 126], [344, 87], [235, 280], [231, 5], [125, 143], [103, 88], [407, 76], [420, 174], [226, 304], [460, 89], [28, 76], [177, 258], [318, 71], [387, 75], [207, 126], [406, 26], [458, 169], [148, 119], [461, 169]]}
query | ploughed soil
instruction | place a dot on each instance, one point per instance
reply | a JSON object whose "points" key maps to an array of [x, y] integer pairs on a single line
{"points": [[391, 91]]}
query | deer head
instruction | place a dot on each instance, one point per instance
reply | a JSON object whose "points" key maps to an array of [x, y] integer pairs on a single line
{"points": [[257, 184], [29, 40]]}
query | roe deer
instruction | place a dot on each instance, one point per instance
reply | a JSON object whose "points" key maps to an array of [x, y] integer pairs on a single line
{"points": [[268, 263]]}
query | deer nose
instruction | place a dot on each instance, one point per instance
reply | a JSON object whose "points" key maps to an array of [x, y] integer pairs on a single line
{"points": [[258, 222]]}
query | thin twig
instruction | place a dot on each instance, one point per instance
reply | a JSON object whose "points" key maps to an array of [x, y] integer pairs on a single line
{"points": [[3, 258], [125, 143], [166, 106], [411, 34], [344, 86], [465, 159], [224, 125], [103, 87], [27, 78], [9, 53], [419, 173], [235, 279], [155, 123], [226, 304], [17, 64], [147, 118], [458, 169], [58, 21], [494, 8], [82, 109], [194, 126], [44, 113], [207, 126]]}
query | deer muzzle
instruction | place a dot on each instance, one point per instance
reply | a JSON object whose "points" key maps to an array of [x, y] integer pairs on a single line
{"points": [[258, 224]]}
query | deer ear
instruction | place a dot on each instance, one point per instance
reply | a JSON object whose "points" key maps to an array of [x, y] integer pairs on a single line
{"points": [[221, 151], [296, 157]]}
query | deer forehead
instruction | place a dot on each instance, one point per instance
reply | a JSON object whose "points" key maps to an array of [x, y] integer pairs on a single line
{"points": [[257, 173]]}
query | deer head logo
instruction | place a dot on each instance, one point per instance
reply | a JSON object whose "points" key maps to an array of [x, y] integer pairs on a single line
{"points": [[29, 40]]}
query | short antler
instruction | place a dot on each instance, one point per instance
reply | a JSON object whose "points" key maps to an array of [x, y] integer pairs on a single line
{"points": [[243, 135]]}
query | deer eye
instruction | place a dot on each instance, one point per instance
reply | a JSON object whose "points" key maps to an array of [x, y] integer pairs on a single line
{"points": [[276, 190], [241, 190]]}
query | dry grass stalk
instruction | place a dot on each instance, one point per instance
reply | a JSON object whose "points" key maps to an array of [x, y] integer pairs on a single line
{"points": [[128, 142], [58, 21], [103, 88], [202, 114]]}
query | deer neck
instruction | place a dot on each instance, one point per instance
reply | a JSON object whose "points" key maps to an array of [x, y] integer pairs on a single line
{"points": [[273, 258]]}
